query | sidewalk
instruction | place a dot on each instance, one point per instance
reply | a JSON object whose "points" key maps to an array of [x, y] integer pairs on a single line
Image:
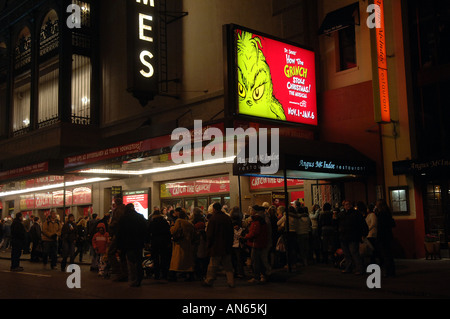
{"points": [[415, 278]]}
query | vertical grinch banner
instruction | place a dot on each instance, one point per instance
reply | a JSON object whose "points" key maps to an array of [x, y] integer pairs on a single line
{"points": [[275, 80]]}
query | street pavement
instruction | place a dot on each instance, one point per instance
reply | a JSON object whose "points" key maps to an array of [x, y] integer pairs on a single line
{"points": [[418, 278]]}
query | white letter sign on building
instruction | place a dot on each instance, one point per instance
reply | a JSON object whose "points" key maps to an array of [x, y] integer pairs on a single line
{"points": [[142, 49]]}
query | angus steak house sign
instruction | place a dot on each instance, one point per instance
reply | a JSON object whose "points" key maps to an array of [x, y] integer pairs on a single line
{"points": [[142, 49]]}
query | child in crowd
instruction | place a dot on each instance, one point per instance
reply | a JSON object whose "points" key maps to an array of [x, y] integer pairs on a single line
{"points": [[100, 243]]}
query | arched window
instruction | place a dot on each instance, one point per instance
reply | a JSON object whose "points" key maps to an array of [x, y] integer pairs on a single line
{"points": [[22, 82], [48, 70]]}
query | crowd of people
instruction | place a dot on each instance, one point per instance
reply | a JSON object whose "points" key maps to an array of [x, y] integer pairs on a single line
{"points": [[196, 245]]}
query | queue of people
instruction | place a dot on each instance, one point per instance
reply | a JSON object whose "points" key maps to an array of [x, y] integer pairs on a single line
{"points": [[193, 246]]}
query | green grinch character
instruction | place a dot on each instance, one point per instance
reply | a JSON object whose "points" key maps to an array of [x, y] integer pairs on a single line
{"points": [[255, 86]]}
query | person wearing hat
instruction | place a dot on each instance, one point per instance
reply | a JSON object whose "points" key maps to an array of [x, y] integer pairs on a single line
{"points": [[257, 239]]}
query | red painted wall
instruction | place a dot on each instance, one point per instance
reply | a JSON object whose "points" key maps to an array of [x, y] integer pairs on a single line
{"points": [[346, 115]]}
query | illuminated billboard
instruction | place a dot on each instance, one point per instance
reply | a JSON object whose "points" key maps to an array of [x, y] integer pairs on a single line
{"points": [[139, 199], [272, 79]]}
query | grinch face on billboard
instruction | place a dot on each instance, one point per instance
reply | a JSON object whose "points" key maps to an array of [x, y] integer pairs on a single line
{"points": [[255, 88]]}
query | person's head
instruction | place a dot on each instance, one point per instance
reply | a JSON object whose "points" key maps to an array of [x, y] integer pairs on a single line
{"points": [[19, 216], [326, 207], [53, 214], [177, 211], [101, 228], [217, 207], [347, 205], [272, 210], [36, 219], [71, 218], [94, 216], [292, 210]]}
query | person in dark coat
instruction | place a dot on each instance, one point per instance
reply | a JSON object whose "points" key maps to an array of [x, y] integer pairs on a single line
{"points": [[327, 226], [385, 223], [69, 236], [160, 244], [118, 268], [17, 242], [131, 239], [351, 227], [36, 241], [219, 238], [257, 239]]}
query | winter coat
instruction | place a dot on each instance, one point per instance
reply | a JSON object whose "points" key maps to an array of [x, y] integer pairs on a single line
{"points": [[304, 224], [159, 232], [35, 233], [351, 226], [384, 226], [257, 233], [183, 251], [69, 232], [100, 241], [131, 231], [50, 230], [220, 234], [327, 225], [17, 233], [371, 220]]}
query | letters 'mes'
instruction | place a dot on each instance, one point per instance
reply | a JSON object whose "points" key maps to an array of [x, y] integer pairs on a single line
{"points": [[145, 34]]}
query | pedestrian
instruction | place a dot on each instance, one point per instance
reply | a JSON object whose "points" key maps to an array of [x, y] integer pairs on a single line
{"points": [[290, 235], [304, 237], [36, 240], [116, 259], [27, 222], [69, 239], [219, 235], [51, 229], [131, 238], [327, 226], [237, 260], [315, 243], [100, 244], [6, 241], [183, 249], [257, 239], [91, 229], [81, 239], [352, 227], [236, 215], [18, 240], [201, 254], [160, 245], [372, 224], [385, 237]]}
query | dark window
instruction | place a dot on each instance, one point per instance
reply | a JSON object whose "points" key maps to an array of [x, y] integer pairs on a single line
{"points": [[346, 48]]}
